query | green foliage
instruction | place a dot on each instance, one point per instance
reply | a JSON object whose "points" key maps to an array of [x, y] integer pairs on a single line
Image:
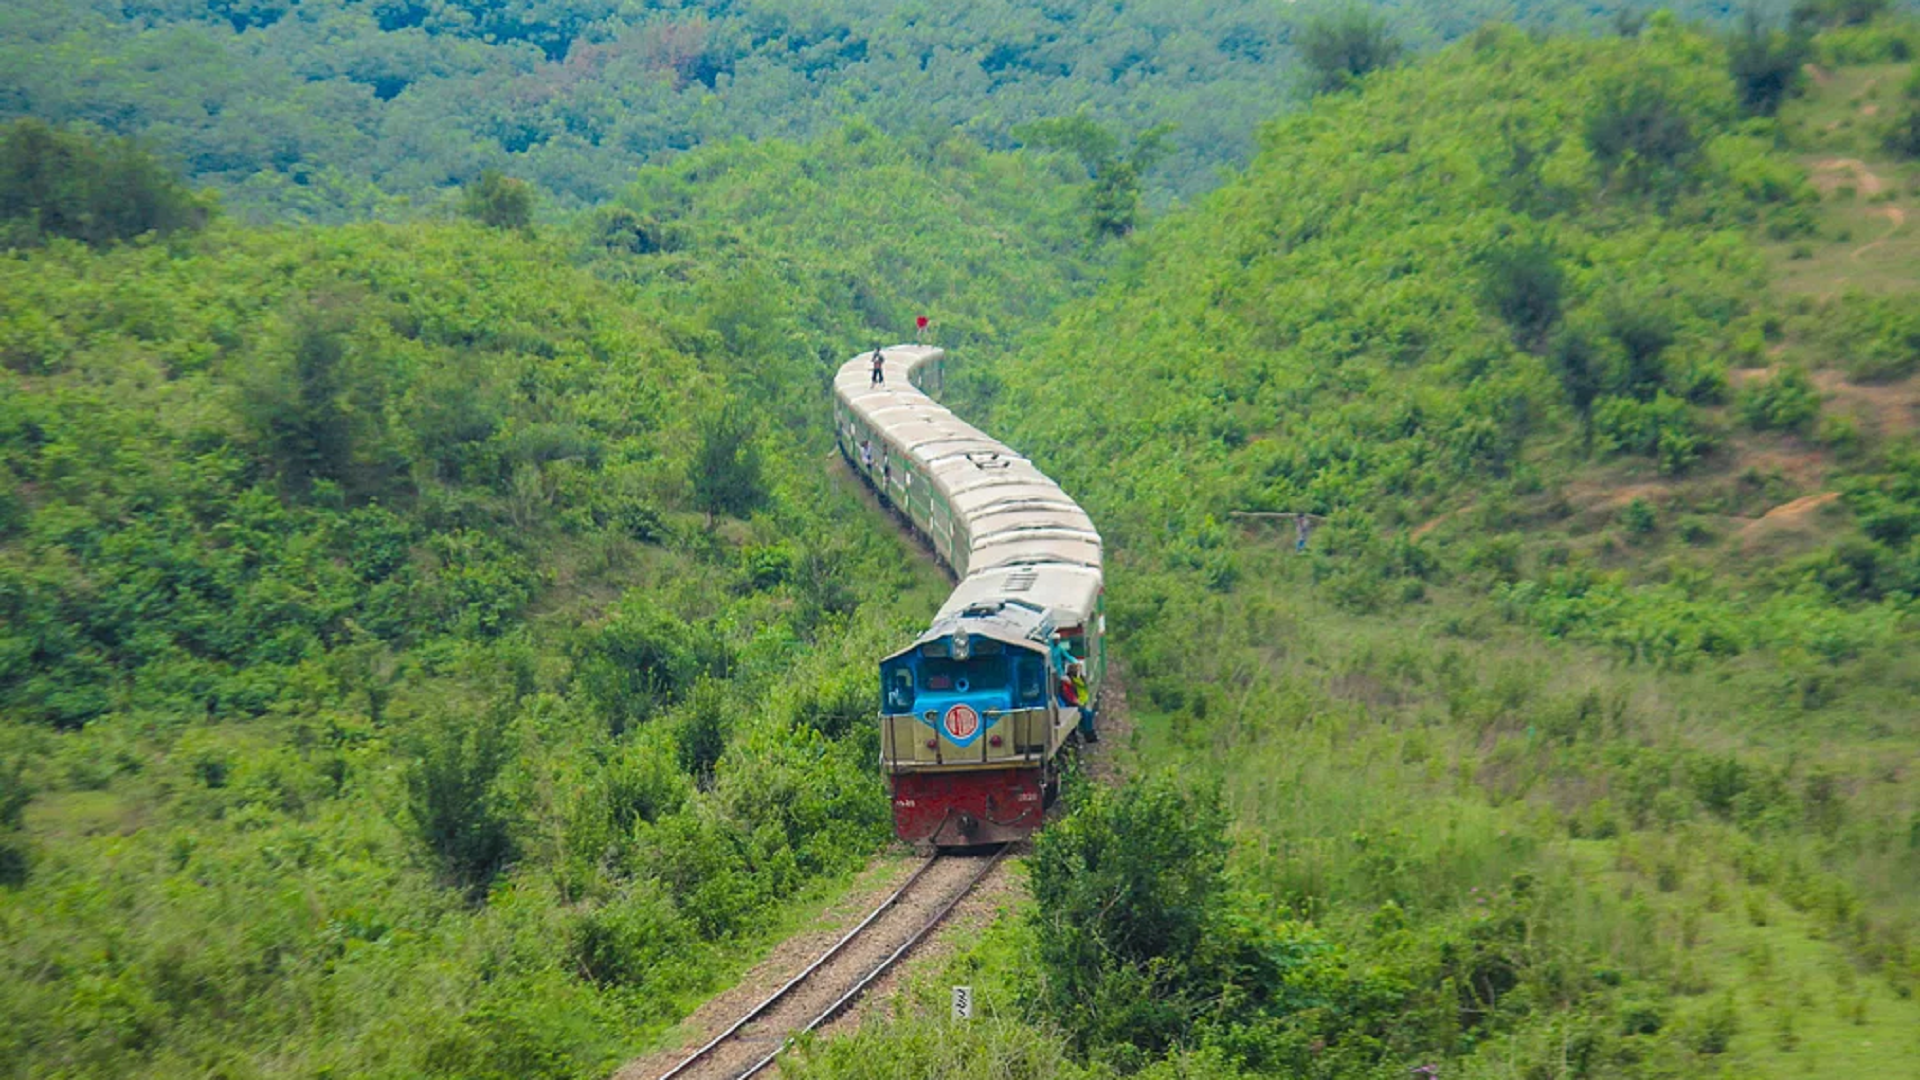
{"points": [[1765, 64], [1808, 14], [498, 201], [1142, 945], [57, 183], [15, 793], [1523, 284], [1641, 136], [301, 534], [725, 471], [1902, 135], [454, 799], [1787, 401], [1341, 48]]}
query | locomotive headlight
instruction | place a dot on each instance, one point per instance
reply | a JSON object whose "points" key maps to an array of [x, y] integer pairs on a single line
{"points": [[961, 645]]}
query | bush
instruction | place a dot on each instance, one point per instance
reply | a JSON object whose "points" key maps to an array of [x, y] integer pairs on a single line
{"points": [[451, 796], [725, 472], [1785, 402], [1664, 429], [1903, 134], [640, 661], [1126, 890]]}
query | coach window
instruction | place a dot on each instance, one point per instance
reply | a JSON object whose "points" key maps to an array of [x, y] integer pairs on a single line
{"points": [[1030, 681]]}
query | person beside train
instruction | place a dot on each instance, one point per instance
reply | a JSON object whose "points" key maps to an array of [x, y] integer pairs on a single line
{"points": [[1073, 686]]}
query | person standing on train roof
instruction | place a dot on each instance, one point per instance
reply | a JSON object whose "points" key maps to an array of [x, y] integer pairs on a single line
{"points": [[879, 368], [920, 330]]}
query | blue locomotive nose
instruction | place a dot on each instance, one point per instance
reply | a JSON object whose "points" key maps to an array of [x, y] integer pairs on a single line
{"points": [[959, 687]]}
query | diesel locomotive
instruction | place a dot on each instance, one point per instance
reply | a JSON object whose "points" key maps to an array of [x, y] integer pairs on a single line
{"points": [[975, 713]]}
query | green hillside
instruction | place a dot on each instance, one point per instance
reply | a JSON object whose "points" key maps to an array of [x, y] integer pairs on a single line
{"points": [[442, 648], [436, 649], [1580, 741]]}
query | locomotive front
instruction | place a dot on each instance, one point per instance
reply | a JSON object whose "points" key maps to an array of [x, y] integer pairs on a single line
{"points": [[969, 725]]}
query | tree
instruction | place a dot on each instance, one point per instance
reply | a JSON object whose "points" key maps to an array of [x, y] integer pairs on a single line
{"points": [[1523, 283], [1112, 200], [318, 414], [1577, 364], [1342, 48], [1640, 134], [1765, 64], [1127, 889], [58, 183], [498, 201], [725, 472], [1903, 135]]}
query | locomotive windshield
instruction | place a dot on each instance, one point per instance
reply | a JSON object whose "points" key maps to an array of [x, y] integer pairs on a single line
{"points": [[961, 676]]}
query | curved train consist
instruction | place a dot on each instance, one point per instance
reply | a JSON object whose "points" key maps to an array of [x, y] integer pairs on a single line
{"points": [[974, 714]]}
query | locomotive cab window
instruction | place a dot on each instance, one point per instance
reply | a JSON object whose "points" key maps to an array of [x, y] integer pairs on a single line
{"points": [[897, 681], [1030, 681]]}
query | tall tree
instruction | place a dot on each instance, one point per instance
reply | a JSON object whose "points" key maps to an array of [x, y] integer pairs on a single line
{"points": [[1342, 48]]}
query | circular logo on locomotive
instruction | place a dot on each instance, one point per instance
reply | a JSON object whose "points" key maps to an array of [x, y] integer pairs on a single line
{"points": [[962, 721]]}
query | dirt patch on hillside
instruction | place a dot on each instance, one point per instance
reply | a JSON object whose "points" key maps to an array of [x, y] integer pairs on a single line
{"points": [[1796, 516], [1831, 174], [1891, 408], [1426, 527], [1897, 218], [1589, 494]]}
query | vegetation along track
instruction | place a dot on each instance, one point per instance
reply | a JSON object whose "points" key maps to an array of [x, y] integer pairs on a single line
{"points": [[832, 983]]}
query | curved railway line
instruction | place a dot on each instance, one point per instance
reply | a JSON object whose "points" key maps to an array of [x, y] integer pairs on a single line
{"points": [[832, 983]]}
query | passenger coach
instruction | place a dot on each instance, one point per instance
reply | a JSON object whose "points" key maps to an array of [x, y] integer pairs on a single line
{"points": [[975, 713]]}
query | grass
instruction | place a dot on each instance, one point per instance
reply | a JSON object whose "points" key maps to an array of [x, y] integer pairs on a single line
{"points": [[1428, 755], [1867, 228]]}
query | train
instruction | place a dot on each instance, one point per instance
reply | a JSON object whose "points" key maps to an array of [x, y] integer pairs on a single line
{"points": [[976, 713]]}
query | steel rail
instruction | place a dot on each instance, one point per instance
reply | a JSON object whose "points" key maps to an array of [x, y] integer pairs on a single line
{"points": [[774, 999], [859, 988]]}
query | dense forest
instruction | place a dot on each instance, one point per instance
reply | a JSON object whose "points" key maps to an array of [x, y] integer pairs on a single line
{"points": [[339, 109], [439, 643]]}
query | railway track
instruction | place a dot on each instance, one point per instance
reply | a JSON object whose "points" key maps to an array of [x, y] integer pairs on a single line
{"points": [[833, 982]]}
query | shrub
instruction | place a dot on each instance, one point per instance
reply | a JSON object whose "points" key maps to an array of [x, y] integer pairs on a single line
{"points": [[642, 659], [1664, 429], [1127, 890], [498, 201], [452, 801], [1785, 402], [1638, 517], [725, 472], [1522, 283]]}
